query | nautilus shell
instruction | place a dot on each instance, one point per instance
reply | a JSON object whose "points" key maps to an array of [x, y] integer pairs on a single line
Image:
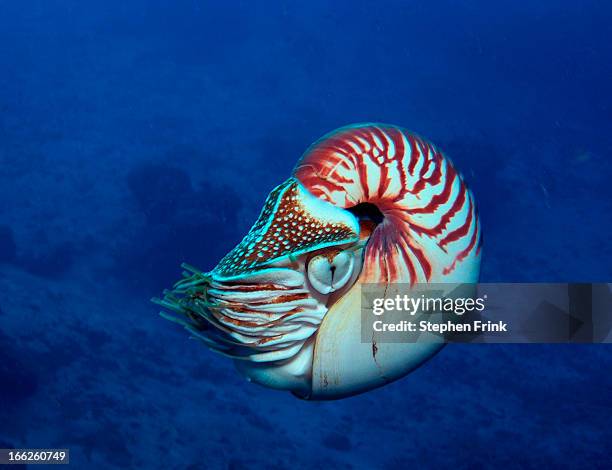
{"points": [[368, 203]]}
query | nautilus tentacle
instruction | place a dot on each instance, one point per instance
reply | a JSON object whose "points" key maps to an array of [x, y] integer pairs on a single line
{"points": [[366, 204]]}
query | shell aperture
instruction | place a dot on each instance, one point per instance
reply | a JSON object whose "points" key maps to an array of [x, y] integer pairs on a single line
{"points": [[367, 203]]}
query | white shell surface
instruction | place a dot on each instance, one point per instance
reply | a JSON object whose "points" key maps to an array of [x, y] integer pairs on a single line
{"points": [[344, 365]]}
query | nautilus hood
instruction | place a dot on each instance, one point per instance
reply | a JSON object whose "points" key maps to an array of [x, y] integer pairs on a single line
{"points": [[367, 203]]}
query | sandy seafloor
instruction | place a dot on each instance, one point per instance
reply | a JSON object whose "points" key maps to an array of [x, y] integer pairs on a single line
{"points": [[135, 136]]}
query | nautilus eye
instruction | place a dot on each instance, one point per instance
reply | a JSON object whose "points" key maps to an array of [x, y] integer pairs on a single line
{"points": [[366, 204], [329, 272]]}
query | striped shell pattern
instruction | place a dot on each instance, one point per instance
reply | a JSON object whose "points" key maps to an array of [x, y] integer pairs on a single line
{"points": [[366, 203]]}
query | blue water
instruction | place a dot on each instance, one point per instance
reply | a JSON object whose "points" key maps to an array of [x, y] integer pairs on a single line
{"points": [[136, 135]]}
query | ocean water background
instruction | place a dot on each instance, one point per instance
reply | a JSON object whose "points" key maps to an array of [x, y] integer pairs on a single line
{"points": [[136, 135]]}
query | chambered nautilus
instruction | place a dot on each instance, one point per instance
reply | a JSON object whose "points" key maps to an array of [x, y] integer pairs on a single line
{"points": [[367, 203]]}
